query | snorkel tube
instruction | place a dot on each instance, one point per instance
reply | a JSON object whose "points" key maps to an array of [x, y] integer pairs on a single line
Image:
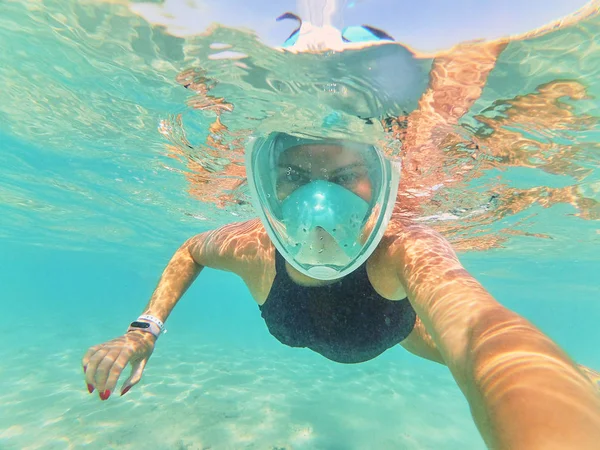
{"points": [[360, 33]]}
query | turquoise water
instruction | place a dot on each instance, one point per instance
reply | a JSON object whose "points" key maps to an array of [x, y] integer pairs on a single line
{"points": [[98, 187]]}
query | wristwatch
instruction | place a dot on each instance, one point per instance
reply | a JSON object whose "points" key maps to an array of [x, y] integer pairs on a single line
{"points": [[148, 327]]}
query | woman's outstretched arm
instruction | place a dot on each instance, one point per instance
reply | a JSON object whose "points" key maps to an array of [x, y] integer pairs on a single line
{"points": [[523, 389]]}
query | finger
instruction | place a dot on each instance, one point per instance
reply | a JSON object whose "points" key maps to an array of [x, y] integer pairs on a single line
{"points": [[92, 366], [115, 371], [86, 358], [137, 368], [103, 371], [84, 362]]}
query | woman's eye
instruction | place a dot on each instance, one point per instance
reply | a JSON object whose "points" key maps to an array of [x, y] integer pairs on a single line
{"points": [[291, 176], [345, 179]]}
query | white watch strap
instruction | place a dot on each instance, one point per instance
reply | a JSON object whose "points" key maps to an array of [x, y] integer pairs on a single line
{"points": [[156, 326], [152, 319], [153, 329]]}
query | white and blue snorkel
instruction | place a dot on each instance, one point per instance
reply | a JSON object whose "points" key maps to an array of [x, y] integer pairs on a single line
{"points": [[350, 34], [380, 77], [323, 229]]}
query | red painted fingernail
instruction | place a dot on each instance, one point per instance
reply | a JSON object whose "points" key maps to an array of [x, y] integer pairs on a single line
{"points": [[124, 391], [84, 369], [104, 395], [90, 388]]}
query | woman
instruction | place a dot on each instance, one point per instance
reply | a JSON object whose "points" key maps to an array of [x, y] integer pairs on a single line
{"points": [[330, 272]]}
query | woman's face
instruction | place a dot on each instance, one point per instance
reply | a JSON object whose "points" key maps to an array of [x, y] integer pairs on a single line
{"points": [[334, 163]]}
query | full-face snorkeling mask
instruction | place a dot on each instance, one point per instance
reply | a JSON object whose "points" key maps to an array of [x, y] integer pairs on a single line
{"points": [[324, 203]]}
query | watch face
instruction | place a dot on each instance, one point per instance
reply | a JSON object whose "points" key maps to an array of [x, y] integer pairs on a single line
{"points": [[140, 324]]}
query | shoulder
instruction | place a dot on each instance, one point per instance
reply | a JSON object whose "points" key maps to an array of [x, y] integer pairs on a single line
{"points": [[231, 246], [407, 242], [402, 232], [387, 261]]}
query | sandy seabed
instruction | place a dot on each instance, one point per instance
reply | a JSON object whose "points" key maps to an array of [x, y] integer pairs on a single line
{"points": [[215, 396]]}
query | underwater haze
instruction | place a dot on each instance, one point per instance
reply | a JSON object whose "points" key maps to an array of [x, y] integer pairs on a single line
{"points": [[122, 134]]}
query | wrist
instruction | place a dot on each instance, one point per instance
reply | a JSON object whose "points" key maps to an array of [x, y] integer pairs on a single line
{"points": [[144, 335], [147, 324]]}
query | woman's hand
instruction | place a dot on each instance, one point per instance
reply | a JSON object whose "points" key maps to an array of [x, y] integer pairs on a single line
{"points": [[103, 364]]}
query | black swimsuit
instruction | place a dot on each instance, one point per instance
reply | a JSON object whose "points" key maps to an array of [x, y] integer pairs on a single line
{"points": [[346, 321]]}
